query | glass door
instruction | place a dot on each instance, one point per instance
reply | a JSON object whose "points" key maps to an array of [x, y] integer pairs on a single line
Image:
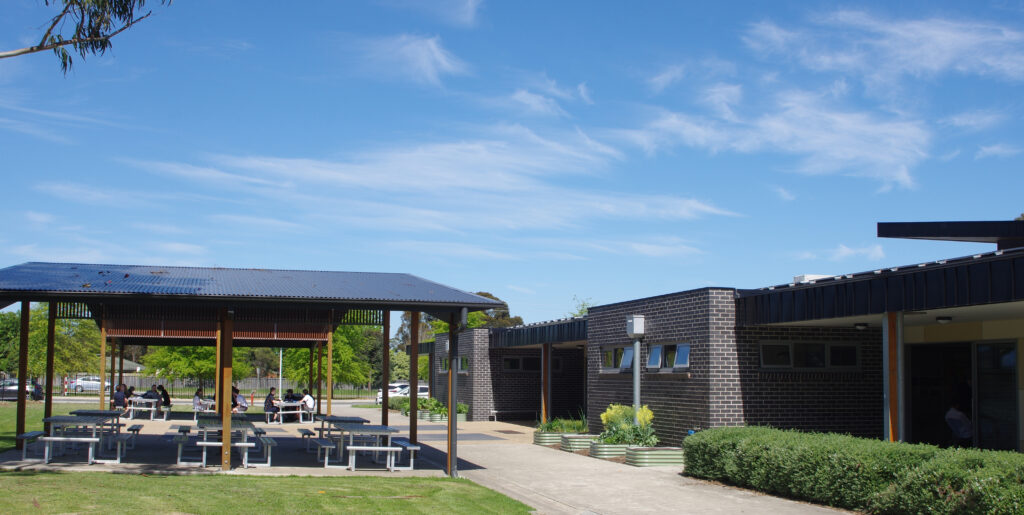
{"points": [[996, 418]]}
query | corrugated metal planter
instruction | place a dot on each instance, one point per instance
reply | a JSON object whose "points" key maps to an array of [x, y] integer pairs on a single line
{"points": [[434, 417], [546, 438], [607, 450], [422, 415], [654, 456], [573, 443], [460, 417]]}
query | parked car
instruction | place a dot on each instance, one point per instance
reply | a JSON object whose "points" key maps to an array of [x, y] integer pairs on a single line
{"points": [[424, 392], [87, 384], [393, 389], [9, 390]]}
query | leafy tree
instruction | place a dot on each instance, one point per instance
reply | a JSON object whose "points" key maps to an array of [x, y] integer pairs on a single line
{"points": [[582, 307], [497, 317], [426, 332], [263, 358], [423, 372], [194, 362], [399, 366], [94, 23], [348, 368], [10, 328]]}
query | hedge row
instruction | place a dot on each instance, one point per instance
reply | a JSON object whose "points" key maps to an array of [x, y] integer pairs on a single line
{"points": [[859, 473]]}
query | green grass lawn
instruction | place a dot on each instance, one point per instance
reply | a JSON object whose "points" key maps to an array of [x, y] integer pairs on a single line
{"points": [[100, 492]]}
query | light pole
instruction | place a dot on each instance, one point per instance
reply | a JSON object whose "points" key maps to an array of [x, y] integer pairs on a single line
{"points": [[635, 330]]}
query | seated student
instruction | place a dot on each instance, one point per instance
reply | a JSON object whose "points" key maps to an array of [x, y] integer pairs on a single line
{"points": [[164, 396], [130, 393], [234, 399], [153, 393], [197, 401], [308, 401], [120, 399], [289, 396], [270, 405], [241, 405]]}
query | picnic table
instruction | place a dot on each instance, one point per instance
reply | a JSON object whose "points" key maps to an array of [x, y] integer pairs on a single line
{"points": [[61, 432], [134, 404], [209, 424], [115, 423], [374, 431], [336, 419], [290, 408]]}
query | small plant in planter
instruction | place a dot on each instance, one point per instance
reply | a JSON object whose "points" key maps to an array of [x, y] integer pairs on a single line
{"points": [[551, 432], [461, 410], [621, 431]]}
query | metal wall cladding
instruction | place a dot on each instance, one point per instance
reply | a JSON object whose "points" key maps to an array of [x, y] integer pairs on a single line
{"points": [[231, 282], [569, 330], [984, 279]]}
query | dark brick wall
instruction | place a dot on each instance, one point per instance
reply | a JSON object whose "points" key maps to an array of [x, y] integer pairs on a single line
{"points": [[488, 387], [846, 401], [680, 401]]}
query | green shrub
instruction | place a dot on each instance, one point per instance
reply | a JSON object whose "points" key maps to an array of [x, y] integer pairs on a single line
{"points": [[564, 425], [398, 403], [959, 481], [462, 408], [859, 473]]}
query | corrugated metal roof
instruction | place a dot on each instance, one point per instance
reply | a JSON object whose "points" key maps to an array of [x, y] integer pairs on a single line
{"points": [[102, 280]]}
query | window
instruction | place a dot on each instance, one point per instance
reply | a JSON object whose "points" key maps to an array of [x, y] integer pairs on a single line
{"points": [[616, 358], [512, 364], [775, 355], [842, 356], [669, 357], [810, 356], [528, 364], [531, 364], [463, 364]]}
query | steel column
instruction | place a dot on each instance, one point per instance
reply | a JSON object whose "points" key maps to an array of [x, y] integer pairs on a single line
{"points": [[414, 371], [385, 366], [120, 364], [51, 336], [26, 312], [330, 370], [545, 382], [319, 377], [103, 361]]}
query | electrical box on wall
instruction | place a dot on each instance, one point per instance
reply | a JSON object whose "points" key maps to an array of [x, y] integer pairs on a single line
{"points": [[635, 326]]}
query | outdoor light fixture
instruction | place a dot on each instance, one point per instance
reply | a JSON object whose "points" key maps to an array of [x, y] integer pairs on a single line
{"points": [[860, 326], [943, 320]]}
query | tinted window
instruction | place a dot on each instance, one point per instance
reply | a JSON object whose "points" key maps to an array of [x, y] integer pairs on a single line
{"points": [[809, 355], [843, 355], [682, 358], [627, 358], [531, 364], [775, 355], [511, 363], [654, 359]]}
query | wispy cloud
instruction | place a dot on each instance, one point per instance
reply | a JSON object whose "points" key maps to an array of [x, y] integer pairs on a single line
{"points": [[665, 78], [783, 193], [871, 252], [418, 58], [158, 228], [722, 97], [974, 120], [997, 150], [257, 222], [584, 92], [176, 247], [537, 104], [456, 12], [451, 249], [883, 50], [520, 289], [39, 218], [827, 139]]}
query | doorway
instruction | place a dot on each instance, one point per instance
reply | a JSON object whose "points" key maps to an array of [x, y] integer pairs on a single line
{"points": [[980, 379]]}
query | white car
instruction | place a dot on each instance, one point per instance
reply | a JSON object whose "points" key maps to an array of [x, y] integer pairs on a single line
{"points": [[393, 389], [424, 392], [88, 384]]}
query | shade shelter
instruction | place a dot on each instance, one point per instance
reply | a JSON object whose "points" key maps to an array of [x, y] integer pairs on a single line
{"points": [[225, 307]]}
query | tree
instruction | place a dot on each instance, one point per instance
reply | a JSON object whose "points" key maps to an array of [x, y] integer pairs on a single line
{"points": [[404, 329], [95, 23], [497, 317], [348, 367], [193, 362], [582, 307], [399, 366], [10, 328]]}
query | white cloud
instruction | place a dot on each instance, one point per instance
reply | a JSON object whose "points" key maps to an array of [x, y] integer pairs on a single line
{"points": [[456, 12], [827, 139], [883, 51], [537, 104], [665, 78], [722, 97], [974, 120], [521, 289], [158, 228], [179, 247], [450, 249], [871, 252], [257, 222], [419, 58], [39, 218], [584, 92], [783, 193], [997, 150]]}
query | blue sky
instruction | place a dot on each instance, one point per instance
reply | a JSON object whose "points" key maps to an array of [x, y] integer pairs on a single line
{"points": [[536, 150]]}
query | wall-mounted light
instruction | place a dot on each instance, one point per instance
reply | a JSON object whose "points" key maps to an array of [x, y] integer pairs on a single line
{"points": [[860, 326], [943, 320]]}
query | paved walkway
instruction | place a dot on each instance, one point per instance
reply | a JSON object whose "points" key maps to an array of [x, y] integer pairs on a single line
{"points": [[497, 455]]}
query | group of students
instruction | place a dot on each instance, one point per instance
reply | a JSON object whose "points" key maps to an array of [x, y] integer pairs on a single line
{"points": [[123, 392], [239, 404], [270, 404]]}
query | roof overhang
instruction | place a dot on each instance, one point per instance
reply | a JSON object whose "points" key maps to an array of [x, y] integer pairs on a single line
{"points": [[1004, 234]]}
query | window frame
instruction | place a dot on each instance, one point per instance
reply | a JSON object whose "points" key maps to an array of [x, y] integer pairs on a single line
{"points": [[829, 366], [663, 353], [619, 353]]}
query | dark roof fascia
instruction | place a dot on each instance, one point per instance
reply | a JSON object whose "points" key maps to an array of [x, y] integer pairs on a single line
{"points": [[212, 342], [979, 279], [555, 331], [978, 231], [603, 307]]}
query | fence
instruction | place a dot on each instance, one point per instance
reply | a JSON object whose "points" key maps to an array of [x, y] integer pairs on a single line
{"points": [[185, 388]]}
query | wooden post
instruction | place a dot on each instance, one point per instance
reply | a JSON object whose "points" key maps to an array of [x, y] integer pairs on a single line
{"points": [[120, 365], [26, 312], [330, 365], [892, 343], [545, 382], [385, 366], [319, 377], [309, 383], [103, 361], [227, 327], [217, 371], [113, 369], [51, 336], [414, 370]]}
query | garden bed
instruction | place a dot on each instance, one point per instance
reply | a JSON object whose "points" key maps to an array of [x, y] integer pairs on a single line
{"points": [[654, 456]]}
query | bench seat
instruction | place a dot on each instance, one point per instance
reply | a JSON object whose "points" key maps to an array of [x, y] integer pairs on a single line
{"points": [[27, 439], [389, 460], [50, 440], [408, 446]]}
